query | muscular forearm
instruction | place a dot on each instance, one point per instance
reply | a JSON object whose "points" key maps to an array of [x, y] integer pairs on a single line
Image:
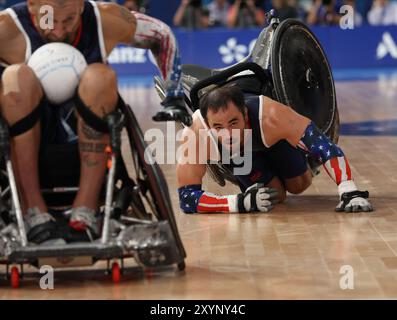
{"points": [[157, 36], [256, 198], [193, 199]]}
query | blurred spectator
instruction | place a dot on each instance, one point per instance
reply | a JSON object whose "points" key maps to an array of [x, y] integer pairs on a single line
{"points": [[358, 18], [364, 6], [191, 15], [285, 9], [218, 10], [244, 14], [323, 12], [383, 12]]}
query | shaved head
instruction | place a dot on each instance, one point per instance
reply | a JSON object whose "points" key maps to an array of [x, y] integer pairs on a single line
{"points": [[55, 3], [57, 20]]}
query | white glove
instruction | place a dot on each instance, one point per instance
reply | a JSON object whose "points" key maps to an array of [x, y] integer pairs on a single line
{"points": [[352, 200], [257, 198], [357, 204]]}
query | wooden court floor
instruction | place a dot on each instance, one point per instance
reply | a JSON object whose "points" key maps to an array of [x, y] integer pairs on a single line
{"points": [[295, 252]]}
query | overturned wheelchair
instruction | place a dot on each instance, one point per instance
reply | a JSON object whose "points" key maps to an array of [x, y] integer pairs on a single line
{"points": [[136, 211], [286, 64]]}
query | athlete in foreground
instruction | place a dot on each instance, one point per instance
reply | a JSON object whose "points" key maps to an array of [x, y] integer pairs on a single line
{"points": [[94, 29], [279, 139]]}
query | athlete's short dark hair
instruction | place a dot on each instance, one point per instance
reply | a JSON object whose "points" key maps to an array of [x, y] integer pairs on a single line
{"points": [[218, 99]]}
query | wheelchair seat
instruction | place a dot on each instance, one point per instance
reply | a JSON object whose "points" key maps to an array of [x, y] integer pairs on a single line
{"points": [[56, 174]]}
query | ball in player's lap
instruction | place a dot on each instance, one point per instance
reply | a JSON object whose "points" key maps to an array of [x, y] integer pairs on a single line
{"points": [[58, 66]]}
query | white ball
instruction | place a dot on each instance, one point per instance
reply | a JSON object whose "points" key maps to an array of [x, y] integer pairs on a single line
{"points": [[58, 66]]}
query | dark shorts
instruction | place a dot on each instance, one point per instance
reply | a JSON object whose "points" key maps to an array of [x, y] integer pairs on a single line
{"points": [[281, 160], [58, 123], [59, 142]]}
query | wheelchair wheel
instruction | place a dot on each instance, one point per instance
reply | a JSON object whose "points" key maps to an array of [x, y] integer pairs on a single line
{"points": [[302, 76], [151, 181]]}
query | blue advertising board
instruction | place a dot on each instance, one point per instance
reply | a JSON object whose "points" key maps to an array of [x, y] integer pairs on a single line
{"points": [[362, 48]]}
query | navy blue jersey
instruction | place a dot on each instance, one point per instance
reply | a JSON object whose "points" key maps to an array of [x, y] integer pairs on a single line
{"points": [[89, 41], [280, 160], [254, 108]]}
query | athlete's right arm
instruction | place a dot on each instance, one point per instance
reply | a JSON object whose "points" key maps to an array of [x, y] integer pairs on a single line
{"points": [[192, 199], [3, 34], [10, 39], [190, 173]]}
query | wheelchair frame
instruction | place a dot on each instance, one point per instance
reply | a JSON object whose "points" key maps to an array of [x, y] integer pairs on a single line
{"points": [[259, 63], [150, 243]]}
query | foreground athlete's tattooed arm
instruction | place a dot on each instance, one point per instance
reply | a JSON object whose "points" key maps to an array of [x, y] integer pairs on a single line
{"points": [[193, 199], [142, 31], [281, 122]]}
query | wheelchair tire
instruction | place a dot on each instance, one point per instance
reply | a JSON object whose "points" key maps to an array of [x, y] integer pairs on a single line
{"points": [[302, 76], [157, 185]]}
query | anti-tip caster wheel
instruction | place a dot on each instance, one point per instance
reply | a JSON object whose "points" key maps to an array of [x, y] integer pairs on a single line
{"points": [[116, 272], [14, 278]]}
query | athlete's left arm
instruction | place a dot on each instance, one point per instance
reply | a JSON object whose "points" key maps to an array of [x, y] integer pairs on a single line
{"points": [[118, 25], [282, 122], [139, 30]]}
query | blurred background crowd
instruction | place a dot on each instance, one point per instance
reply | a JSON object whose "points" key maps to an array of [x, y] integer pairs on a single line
{"points": [[200, 14]]}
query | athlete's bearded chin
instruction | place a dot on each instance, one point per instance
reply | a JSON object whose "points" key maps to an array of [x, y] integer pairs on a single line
{"points": [[66, 39]]}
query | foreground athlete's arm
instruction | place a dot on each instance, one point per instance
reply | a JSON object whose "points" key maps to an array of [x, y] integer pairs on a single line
{"points": [[193, 199], [281, 122], [141, 31], [11, 40]]}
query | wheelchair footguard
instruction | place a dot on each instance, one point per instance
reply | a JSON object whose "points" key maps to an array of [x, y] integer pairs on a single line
{"points": [[150, 244]]}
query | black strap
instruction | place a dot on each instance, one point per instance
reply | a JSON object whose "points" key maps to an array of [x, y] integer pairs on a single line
{"points": [[28, 122], [240, 201], [253, 193], [90, 117], [348, 196]]}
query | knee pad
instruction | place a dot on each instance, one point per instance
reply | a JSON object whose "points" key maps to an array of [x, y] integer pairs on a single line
{"points": [[90, 118], [28, 122]]}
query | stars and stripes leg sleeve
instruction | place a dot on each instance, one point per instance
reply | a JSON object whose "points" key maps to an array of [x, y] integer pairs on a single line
{"points": [[328, 153], [194, 200], [157, 36]]}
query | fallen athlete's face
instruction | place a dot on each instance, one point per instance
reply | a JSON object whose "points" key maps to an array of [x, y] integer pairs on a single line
{"points": [[57, 20], [229, 123]]}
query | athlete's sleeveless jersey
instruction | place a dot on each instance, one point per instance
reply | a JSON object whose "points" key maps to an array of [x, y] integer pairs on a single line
{"points": [[89, 41], [281, 160]]}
